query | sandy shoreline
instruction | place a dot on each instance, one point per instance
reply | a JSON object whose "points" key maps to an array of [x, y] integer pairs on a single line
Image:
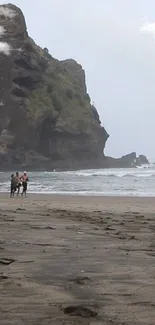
{"points": [[94, 252]]}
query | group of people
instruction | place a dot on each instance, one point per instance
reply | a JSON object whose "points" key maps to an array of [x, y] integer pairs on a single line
{"points": [[18, 182]]}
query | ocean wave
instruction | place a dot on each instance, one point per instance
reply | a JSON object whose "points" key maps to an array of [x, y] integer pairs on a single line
{"points": [[147, 166], [104, 182], [117, 174]]}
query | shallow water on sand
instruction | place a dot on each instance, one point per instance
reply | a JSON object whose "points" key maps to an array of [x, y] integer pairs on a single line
{"points": [[109, 182]]}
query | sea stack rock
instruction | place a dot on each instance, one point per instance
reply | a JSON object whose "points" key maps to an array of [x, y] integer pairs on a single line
{"points": [[46, 116]]}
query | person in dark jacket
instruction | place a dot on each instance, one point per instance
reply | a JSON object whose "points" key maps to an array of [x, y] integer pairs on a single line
{"points": [[19, 184], [13, 185]]}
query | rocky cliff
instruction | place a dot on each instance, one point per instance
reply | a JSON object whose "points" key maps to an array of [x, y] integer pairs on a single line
{"points": [[128, 161], [46, 116]]}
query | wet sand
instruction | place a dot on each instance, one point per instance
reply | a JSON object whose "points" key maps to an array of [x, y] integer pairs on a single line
{"points": [[69, 260]]}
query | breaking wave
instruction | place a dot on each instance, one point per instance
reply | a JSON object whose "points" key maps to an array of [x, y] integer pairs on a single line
{"points": [[107, 182], [135, 173]]}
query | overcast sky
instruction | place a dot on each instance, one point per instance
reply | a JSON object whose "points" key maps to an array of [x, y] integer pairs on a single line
{"points": [[114, 40]]}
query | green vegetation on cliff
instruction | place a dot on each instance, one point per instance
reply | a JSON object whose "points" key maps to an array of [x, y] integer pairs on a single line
{"points": [[63, 99]]}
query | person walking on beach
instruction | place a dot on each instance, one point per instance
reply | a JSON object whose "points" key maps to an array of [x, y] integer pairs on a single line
{"points": [[24, 180], [18, 180], [13, 185]]}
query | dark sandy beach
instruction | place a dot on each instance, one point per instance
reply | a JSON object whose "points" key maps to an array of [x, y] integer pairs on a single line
{"points": [[73, 260]]}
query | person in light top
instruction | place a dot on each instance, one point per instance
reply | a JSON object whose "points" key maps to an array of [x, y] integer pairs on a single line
{"points": [[24, 180]]}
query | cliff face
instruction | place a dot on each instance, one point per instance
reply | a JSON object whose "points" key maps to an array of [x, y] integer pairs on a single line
{"points": [[46, 117]]}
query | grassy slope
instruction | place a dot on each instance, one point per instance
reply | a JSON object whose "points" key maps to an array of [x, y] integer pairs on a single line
{"points": [[61, 98]]}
